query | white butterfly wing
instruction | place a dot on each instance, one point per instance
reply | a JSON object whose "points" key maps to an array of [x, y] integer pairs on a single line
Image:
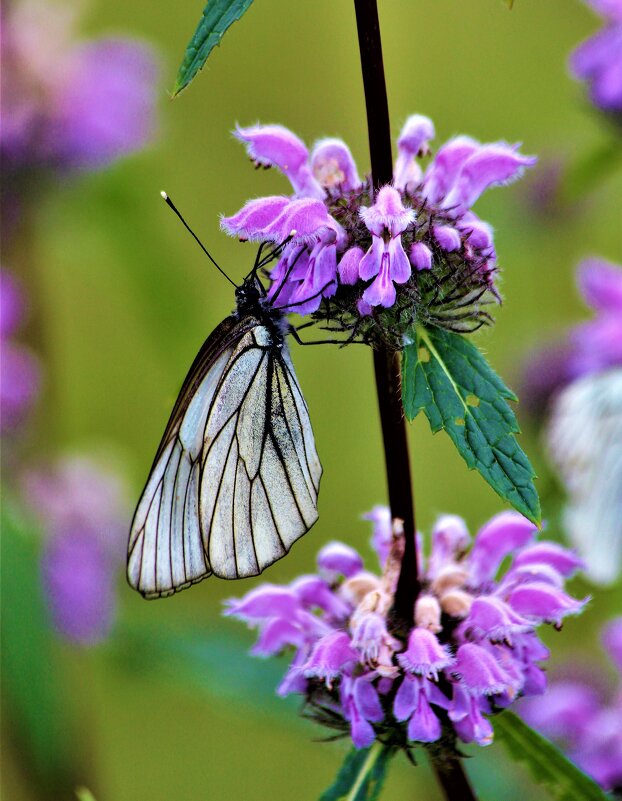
{"points": [[261, 472], [585, 442], [236, 477]]}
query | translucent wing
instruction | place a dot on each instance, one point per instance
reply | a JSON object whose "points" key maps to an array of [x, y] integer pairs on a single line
{"points": [[236, 478], [585, 442]]}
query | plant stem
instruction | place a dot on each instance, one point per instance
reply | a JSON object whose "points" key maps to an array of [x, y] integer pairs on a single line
{"points": [[453, 779], [386, 362], [448, 769]]}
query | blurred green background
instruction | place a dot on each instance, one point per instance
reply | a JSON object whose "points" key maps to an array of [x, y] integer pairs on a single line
{"points": [[123, 298]]}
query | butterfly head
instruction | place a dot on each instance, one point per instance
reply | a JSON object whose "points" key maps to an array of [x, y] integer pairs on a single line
{"points": [[248, 296]]}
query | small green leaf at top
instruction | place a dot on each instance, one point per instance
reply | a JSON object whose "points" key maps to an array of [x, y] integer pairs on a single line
{"points": [[217, 17], [546, 763], [447, 377], [361, 776]]}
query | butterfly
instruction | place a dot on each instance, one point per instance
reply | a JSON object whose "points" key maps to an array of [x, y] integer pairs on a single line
{"points": [[584, 437], [235, 480]]}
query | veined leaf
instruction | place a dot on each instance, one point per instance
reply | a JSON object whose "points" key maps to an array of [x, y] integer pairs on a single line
{"points": [[361, 776], [217, 17], [545, 761], [447, 377]]}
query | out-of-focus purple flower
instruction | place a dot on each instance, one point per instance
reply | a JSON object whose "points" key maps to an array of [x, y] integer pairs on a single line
{"points": [[69, 105], [473, 649], [20, 374], [84, 517], [425, 214], [599, 59], [583, 718], [598, 343], [588, 348]]}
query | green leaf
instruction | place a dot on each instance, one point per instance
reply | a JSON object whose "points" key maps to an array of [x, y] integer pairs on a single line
{"points": [[217, 16], [448, 378], [84, 794], [545, 761], [361, 776], [36, 710]]}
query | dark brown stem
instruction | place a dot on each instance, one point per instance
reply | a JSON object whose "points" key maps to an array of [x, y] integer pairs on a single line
{"points": [[388, 387], [386, 362], [453, 779], [448, 769]]}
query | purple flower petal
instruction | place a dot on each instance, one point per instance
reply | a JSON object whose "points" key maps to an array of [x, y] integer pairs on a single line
{"points": [[544, 603], [304, 219], [564, 561], [471, 726], [500, 536], [79, 583], [478, 232], [424, 725], [489, 165], [382, 537], [492, 619], [314, 592], [450, 538], [420, 256], [366, 699], [255, 217], [388, 214], [381, 291], [388, 262], [443, 171], [331, 655], [348, 267], [276, 146], [417, 132], [337, 559], [20, 379], [599, 61], [600, 283], [370, 635], [480, 672], [406, 698], [106, 109], [264, 602], [447, 237], [612, 640], [275, 635], [565, 712], [333, 166], [317, 274], [424, 656]]}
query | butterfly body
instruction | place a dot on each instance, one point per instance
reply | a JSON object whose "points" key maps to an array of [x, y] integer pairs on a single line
{"points": [[235, 479]]}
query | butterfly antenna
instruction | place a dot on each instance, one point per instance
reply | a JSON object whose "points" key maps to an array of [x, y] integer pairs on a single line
{"points": [[171, 205]]}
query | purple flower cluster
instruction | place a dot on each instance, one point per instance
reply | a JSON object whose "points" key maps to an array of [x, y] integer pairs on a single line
{"points": [[589, 348], [85, 518], [599, 60], [414, 245], [70, 105], [19, 367], [473, 650], [583, 719]]}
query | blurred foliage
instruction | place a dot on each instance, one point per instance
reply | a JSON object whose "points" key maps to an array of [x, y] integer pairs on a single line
{"points": [[549, 767], [122, 299]]}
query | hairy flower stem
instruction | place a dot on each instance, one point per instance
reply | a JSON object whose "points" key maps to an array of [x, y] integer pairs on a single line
{"points": [[449, 771], [386, 362]]}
